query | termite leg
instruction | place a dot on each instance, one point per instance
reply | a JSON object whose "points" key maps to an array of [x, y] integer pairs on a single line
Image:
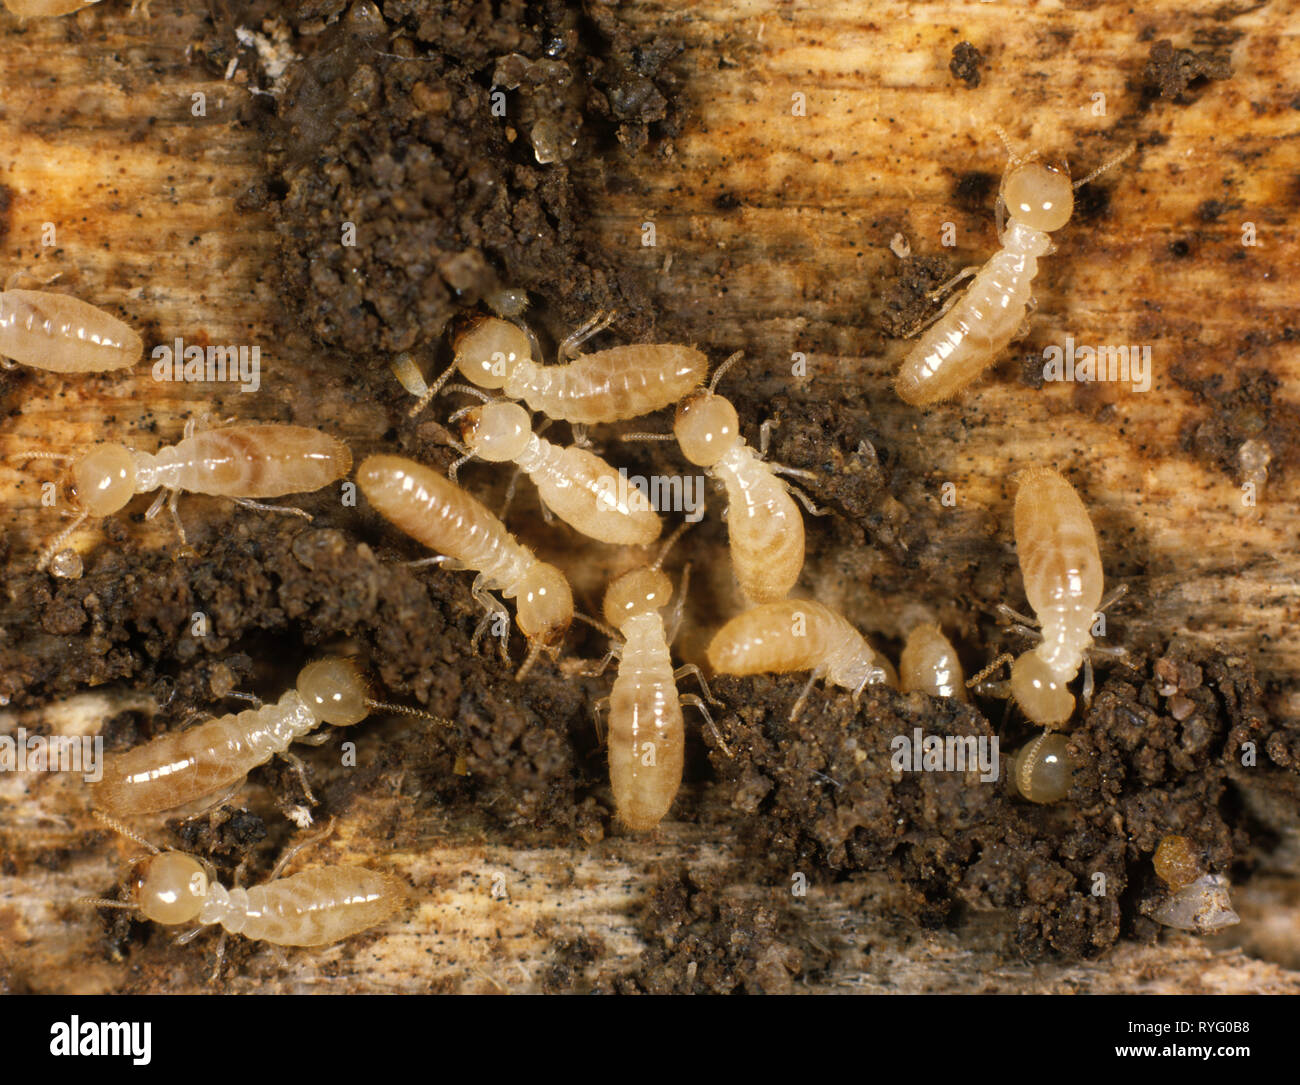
{"points": [[8, 363], [1113, 598], [1030, 306], [1015, 616], [1086, 692], [596, 709], [420, 563], [920, 326], [580, 438], [251, 698], [548, 517], [172, 502], [217, 800], [594, 326], [803, 695], [765, 435], [288, 510], [21, 275], [598, 669], [1109, 651], [691, 669], [510, 493], [301, 770], [807, 502], [495, 609], [695, 702]]}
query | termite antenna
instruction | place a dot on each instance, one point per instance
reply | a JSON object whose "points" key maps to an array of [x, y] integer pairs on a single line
{"points": [[122, 830], [598, 625], [717, 375], [1005, 657], [469, 391], [455, 416], [406, 710], [432, 391], [102, 902], [668, 545], [62, 457], [1012, 157], [52, 547], [1110, 164], [533, 652], [646, 437]]}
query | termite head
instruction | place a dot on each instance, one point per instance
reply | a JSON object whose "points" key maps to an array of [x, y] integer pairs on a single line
{"points": [[1036, 688], [1038, 194], [335, 691], [707, 427], [489, 349], [545, 605], [1040, 770], [641, 591], [496, 432], [103, 480], [170, 887]]}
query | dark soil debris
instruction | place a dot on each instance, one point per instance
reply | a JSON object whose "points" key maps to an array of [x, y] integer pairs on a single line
{"points": [[965, 64], [1170, 72]]}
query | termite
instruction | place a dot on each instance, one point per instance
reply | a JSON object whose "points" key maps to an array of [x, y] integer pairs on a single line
{"points": [[1198, 901], [1041, 770], [35, 8], [607, 386], [213, 757], [241, 461], [1061, 566], [929, 663], [799, 635], [646, 733], [61, 333], [765, 528], [311, 908], [577, 485], [442, 516], [974, 326]]}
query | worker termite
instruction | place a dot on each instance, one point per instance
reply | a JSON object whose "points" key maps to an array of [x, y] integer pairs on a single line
{"points": [[974, 326], [765, 528], [1198, 901], [577, 485], [799, 635], [1041, 770], [311, 908], [443, 517], [215, 756], [241, 462], [34, 8], [61, 333], [929, 663], [1061, 566], [607, 386], [647, 737]]}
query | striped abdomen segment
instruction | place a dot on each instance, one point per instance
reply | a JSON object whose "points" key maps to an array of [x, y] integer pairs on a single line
{"points": [[312, 908], [266, 460], [182, 766], [765, 528], [438, 513], [1059, 559], [646, 733], [64, 334], [585, 492], [780, 637], [968, 338], [611, 385]]}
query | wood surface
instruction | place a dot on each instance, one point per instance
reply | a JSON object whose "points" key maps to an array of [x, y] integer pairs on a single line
{"points": [[97, 137]]}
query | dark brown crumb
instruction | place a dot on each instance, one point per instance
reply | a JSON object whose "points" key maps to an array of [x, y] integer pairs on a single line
{"points": [[905, 299], [965, 64], [1170, 72]]}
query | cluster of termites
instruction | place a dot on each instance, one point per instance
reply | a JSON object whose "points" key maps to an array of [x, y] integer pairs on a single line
{"points": [[1059, 557]]}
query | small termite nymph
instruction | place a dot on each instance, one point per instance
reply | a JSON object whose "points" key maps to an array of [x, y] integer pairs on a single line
{"points": [[765, 527], [242, 462], [1197, 901], [929, 663], [311, 908], [608, 386], [214, 757], [975, 326], [443, 517], [1041, 770], [647, 738], [59, 332], [1061, 566], [577, 485], [791, 635]]}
